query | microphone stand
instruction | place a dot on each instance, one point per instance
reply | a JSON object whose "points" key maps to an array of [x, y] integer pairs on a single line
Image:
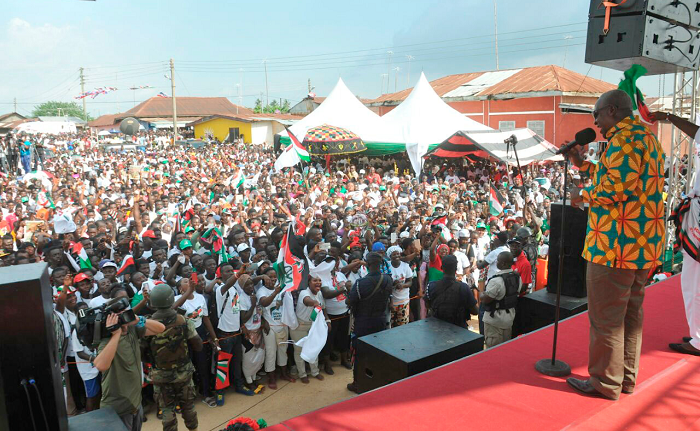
{"points": [[554, 367]]}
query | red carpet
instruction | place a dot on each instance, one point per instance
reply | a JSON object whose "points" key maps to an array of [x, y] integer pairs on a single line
{"points": [[499, 389]]}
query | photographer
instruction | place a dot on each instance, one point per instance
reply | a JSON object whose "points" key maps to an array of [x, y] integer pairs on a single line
{"points": [[119, 361]]}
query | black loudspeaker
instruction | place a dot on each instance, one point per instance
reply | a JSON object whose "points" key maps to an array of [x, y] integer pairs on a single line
{"points": [[129, 126], [536, 310], [574, 281], [394, 354], [29, 352], [661, 35], [103, 419]]}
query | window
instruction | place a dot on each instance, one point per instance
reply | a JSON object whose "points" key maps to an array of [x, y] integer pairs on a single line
{"points": [[506, 126], [537, 127]]}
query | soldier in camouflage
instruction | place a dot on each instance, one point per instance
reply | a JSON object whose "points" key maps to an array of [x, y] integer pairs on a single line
{"points": [[172, 368]]}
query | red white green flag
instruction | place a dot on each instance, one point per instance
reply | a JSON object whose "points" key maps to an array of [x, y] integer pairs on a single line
{"points": [[629, 86], [83, 259], [496, 202]]}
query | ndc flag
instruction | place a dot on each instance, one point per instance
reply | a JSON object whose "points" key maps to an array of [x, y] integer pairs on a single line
{"points": [[496, 202], [291, 267]]}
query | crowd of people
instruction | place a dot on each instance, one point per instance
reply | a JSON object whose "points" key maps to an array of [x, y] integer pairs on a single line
{"points": [[208, 224]]}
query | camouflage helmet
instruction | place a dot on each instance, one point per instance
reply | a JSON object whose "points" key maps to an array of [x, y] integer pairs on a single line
{"points": [[162, 296], [523, 233]]}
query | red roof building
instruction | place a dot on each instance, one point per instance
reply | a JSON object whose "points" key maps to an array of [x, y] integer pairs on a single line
{"points": [[552, 101], [188, 108]]}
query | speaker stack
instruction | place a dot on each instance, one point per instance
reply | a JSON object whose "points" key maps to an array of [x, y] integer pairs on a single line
{"points": [[661, 35], [31, 386]]}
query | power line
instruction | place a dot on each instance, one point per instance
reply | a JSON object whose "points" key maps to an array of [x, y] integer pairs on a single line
{"points": [[393, 47]]}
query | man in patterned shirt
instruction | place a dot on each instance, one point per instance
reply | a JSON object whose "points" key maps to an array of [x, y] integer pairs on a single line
{"points": [[624, 239]]}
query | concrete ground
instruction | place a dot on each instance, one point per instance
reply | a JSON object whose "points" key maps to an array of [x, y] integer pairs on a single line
{"points": [[288, 401]]}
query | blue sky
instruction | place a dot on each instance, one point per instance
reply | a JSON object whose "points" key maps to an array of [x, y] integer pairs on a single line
{"points": [[219, 46]]}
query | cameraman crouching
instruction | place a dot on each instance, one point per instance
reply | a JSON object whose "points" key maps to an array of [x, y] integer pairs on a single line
{"points": [[119, 360]]}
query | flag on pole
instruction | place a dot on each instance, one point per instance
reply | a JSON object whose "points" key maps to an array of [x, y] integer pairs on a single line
{"points": [[128, 265], [629, 86], [291, 267], [292, 155], [161, 94], [216, 239], [496, 202], [83, 260]]}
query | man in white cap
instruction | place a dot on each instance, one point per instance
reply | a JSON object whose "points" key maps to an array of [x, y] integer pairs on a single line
{"points": [[243, 252]]}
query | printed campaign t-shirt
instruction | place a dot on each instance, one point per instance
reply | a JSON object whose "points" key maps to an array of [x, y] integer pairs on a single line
{"points": [[273, 312], [337, 306], [195, 308], [228, 307], [255, 320]]}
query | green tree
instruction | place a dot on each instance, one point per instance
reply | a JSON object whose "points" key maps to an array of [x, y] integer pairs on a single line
{"points": [[286, 106], [55, 108], [258, 106], [272, 107]]}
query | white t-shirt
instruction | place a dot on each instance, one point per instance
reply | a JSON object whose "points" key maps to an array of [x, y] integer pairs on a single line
{"points": [[402, 273], [230, 318], [255, 319], [303, 310], [462, 262], [97, 301], [491, 260], [87, 371], [273, 312], [195, 308], [337, 305]]}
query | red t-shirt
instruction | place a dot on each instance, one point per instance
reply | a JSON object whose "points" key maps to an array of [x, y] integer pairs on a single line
{"points": [[522, 265]]}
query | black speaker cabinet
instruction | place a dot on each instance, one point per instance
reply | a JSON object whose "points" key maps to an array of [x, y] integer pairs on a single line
{"points": [[661, 35], [536, 310], [574, 281], [28, 351], [389, 356], [103, 419]]}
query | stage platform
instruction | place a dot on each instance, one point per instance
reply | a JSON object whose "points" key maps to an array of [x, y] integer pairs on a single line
{"points": [[499, 389]]}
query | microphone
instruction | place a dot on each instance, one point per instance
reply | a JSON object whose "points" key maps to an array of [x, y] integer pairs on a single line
{"points": [[583, 137]]}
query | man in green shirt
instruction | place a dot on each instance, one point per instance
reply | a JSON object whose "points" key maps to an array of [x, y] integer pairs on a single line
{"points": [[119, 361]]}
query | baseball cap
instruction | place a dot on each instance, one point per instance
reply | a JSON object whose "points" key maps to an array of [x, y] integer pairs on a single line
{"points": [[502, 237], [185, 243], [378, 246], [108, 264], [463, 233], [80, 277], [514, 241], [149, 234], [242, 247], [481, 225], [189, 229]]}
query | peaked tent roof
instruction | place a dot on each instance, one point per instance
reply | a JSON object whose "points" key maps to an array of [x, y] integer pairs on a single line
{"points": [[341, 109], [156, 107], [490, 144], [421, 121]]}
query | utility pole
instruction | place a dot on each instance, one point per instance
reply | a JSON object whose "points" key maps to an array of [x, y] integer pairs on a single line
{"points": [[82, 92], [408, 78], [309, 85], [172, 89], [396, 77], [388, 71], [267, 90], [15, 105], [495, 30], [240, 96]]}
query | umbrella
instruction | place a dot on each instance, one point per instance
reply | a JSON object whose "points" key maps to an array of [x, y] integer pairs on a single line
{"points": [[326, 140]]}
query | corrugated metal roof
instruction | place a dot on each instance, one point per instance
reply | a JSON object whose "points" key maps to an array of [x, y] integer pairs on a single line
{"points": [[481, 83], [186, 107], [549, 78], [62, 119], [103, 120]]}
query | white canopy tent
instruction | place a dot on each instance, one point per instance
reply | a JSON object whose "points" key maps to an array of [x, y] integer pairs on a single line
{"points": [[420, 121], [341, 109], [52, 127]]}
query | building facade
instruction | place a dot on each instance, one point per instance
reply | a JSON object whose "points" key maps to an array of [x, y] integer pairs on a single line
{"points": [[552, 101]]}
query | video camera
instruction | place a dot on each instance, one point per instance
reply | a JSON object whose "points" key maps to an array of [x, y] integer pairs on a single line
{"points": [[92, 325]]}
